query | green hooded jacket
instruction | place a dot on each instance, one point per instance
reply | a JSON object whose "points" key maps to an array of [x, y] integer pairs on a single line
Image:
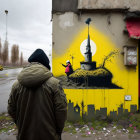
{"points": [[37, 104]]}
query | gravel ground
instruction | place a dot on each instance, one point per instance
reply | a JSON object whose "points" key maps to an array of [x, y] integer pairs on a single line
{"points": [[68, 136], [97, 130]]}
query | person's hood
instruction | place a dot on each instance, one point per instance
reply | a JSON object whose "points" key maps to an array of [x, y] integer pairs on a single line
{"points": [[40, 57], [34, 75]]}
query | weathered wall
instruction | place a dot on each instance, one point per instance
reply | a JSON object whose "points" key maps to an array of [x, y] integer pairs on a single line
{"points": [[66, 26], [64, 5], [74, 5], [106, 31], [132, 5]]}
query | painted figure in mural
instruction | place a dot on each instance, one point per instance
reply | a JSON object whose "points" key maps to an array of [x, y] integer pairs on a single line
{"points": [[69, 69], [37, 102]]}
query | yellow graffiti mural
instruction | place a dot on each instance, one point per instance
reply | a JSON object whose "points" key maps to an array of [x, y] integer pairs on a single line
{"points": [[123, 77]]}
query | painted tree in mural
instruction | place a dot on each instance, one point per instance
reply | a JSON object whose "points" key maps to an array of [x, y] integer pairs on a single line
{"points": [[108, 57], [5, 53]]}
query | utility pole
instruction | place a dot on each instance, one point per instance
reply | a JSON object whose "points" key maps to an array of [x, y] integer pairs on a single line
{"points": [[6, 12], [5, 49]]}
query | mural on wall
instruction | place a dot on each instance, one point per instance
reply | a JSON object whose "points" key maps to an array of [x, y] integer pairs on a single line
{"points": [[88, 75], [87, 59]]}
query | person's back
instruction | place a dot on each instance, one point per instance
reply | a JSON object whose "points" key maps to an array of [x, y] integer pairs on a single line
{"points": [[37, 104]]}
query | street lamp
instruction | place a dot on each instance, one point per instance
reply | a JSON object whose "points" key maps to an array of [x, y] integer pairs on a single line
{"points": [[6, 12]]}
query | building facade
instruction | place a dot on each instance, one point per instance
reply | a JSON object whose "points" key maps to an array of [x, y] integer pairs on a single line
{"points": [[109, 83]]}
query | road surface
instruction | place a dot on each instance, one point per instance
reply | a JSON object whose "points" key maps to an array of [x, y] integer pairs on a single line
{"points": [[67, 136], [7, 78]]}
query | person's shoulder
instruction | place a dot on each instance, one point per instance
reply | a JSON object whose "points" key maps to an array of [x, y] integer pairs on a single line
{"points": [[53, 82], [15, 85]]}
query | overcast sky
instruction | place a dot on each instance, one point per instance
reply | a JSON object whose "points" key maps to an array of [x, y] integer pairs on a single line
{"points": [[29, 24]]}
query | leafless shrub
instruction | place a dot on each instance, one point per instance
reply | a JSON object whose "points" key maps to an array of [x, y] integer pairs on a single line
{"points": [[0, 50], [15, 54], [5, 53], [21, 59]]}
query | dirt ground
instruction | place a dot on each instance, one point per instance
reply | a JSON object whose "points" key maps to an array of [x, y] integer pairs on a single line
{"points": [[68, 136], [127, 128]]}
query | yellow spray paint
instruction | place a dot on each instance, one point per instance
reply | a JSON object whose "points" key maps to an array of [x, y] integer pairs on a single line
{"points": [[123, 77]]}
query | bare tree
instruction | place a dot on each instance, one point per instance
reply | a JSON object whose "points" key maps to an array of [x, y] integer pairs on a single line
{"points": [[5, 53], [21, 59], [108, 57], [15, 54], [0, 50]]}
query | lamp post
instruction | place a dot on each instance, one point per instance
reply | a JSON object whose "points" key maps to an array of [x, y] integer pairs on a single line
{"points": [[6, 12]]}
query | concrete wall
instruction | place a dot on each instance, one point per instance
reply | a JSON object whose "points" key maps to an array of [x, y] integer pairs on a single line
{"points": [[68, 24], [64, 5], [74, 5], [132, 5], [106, 31]]}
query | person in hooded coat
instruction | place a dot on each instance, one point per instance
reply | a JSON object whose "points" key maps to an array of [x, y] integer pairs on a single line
{"points": [[37, 102]]}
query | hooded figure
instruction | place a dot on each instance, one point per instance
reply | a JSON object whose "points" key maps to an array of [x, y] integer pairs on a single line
{"points": [[37, 102]]}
